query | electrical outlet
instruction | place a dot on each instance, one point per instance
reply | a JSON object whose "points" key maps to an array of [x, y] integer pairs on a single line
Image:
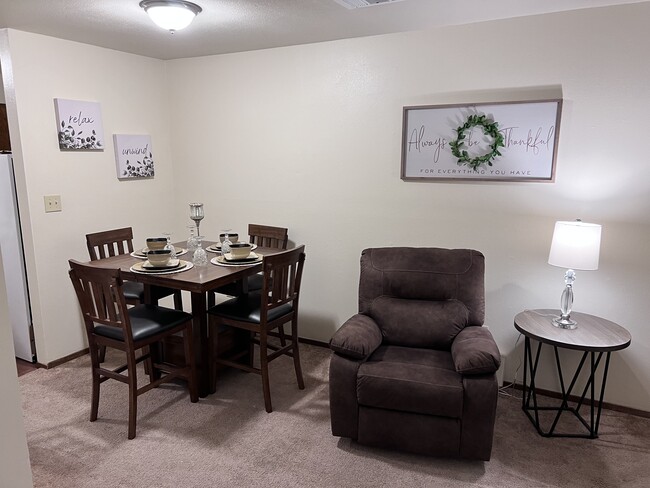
{"points": [[52, 203]]}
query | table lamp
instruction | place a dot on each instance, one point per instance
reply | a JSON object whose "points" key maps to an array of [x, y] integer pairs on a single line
{"points": [[575, 245]]}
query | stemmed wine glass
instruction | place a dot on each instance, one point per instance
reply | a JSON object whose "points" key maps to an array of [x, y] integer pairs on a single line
{"points": [[225, 245], [191, 240], [196, 214], [169, 245], [199, 257]]}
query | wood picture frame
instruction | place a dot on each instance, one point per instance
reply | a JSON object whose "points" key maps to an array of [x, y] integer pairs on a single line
{"points": [[529, 130]]}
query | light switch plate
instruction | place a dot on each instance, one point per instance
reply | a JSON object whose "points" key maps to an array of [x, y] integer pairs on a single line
{"points": [[52, 203]]}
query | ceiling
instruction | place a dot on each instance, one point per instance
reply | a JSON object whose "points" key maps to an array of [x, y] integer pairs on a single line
{"points": [[227, 26]]}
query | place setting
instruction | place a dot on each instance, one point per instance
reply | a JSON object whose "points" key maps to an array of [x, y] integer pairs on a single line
{"points": [[160, 261], [240, 254], [156, 243], [232, 237]]}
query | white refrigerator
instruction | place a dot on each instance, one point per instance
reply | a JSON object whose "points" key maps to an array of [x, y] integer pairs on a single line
{"points": [[14, 263]]}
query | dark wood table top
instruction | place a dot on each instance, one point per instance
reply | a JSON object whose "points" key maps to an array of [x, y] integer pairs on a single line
{"points": [[592, 334], [198, 279]]}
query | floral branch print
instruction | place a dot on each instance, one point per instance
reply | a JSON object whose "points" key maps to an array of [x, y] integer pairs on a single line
{"points": [[139, 169], [70, 139]]}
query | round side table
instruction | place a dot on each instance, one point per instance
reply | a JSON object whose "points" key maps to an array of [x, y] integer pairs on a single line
{"points": [[593, 336]]}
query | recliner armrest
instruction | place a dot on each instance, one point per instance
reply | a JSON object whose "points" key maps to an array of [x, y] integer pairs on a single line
{"points": [[475, 352], [357, 338]]}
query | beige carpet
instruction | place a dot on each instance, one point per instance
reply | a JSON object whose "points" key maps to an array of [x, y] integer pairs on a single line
{"points": [[228, 440]]}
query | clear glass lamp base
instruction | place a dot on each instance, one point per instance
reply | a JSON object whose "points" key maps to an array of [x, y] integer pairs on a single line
{"points": [[565, 323]]}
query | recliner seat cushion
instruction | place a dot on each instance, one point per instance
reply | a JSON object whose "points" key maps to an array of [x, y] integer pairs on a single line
{"points": [[411, 380], [419, 323]]}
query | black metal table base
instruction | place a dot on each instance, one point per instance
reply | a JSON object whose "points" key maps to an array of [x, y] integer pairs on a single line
{"points": [[530, 394]]}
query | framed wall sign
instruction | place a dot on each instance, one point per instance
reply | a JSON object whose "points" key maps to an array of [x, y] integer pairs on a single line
{"points": [[507, 141], [79, 125], [133, 156]]}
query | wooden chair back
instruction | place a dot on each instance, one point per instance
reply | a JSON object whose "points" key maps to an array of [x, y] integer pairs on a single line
{"points": [[100, 295], [281, 282], [109, 243], [268, 236]]}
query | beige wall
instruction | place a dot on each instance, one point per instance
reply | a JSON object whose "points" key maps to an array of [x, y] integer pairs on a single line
{"points": [[309, 137], [130, 91], [15, 471]]}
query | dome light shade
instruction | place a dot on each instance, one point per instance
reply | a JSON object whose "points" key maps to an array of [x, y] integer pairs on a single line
{"points": [[171, 15]]}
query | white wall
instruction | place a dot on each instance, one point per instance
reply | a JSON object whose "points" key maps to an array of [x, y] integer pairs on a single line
{"points": [[130, 91], [308, 137], [15, 470]]}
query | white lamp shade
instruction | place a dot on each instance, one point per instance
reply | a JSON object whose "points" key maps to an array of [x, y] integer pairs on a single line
{"points": [[575, 245], [171, 15]]}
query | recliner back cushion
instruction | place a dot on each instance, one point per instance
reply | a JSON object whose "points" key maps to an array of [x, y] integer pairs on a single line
{"points": [[419, 323], [428, 274]]}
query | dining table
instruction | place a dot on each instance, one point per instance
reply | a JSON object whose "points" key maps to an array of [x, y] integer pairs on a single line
{"points": [[199, 281]]}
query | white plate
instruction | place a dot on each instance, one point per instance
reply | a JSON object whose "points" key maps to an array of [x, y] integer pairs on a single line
{"points": [[184, 266], [221, 261]]}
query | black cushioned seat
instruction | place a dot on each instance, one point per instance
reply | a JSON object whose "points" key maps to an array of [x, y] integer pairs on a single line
{"points": [[133, 291], [247, 308], [255, 282], [146, 321]]}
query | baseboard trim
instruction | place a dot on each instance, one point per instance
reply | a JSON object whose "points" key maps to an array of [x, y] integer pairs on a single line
{"points": [[65, 359], [313, 342], [78, 354], [609, 406]]}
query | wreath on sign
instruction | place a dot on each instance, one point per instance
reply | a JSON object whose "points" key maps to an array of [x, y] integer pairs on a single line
{"points": [[490, 128]]}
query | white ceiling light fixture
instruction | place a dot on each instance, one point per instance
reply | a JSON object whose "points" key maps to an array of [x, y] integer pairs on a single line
{"points": [[171, 15]]}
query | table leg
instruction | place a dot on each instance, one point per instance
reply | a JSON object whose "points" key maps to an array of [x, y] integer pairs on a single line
{"points": [[530, 393], [525, 385], [602, 391], [200, 338]]}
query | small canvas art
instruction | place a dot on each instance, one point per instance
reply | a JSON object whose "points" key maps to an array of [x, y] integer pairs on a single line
{"points": [[133, 156], [79, 125]]}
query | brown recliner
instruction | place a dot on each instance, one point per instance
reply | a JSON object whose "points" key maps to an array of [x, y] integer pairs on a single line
{"points": [[414, 370]]}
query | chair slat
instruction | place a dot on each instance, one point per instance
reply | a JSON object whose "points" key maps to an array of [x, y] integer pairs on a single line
{"points": [[104, 244]]}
